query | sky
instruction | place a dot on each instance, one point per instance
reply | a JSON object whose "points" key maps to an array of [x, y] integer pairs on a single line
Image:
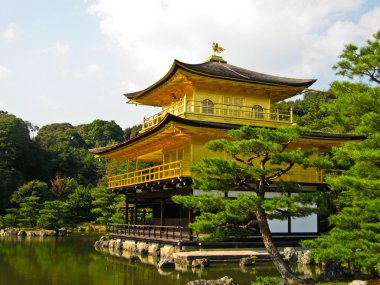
{"points": [[72, 60]]}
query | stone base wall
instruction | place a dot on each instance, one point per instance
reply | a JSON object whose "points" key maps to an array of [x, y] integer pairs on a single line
{"points": [[143, 248]]}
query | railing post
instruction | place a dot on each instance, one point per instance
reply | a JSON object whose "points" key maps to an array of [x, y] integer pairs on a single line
{"points": [[291, 114], [184, 104]]}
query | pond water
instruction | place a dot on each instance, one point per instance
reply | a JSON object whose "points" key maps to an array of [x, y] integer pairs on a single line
{"points": [[73, 260]]}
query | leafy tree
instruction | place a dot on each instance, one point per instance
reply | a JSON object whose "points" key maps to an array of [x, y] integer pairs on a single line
{"points": [[28, 211], [132, 132], [355, 109], [106, 206], [17, 156], [54, 214], [10, 219], [100, 133], [80, 204], [67, 154], [33, 188], [354, 241], [309, 111], [361, 62], [259, 157]]}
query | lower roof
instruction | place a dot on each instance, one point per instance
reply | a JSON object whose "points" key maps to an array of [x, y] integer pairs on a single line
{"points": [[171, 118]]}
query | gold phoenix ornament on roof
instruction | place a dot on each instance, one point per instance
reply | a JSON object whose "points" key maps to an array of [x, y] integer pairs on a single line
{"points": [[216, 48]]}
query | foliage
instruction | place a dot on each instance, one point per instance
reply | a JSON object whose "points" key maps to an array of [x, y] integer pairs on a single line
{"points": [[28, 211], [100, 133], [18, 155], [132, 132], [32, 188], [106, 206], [259, 280], [54, 214], [354, 241], [259, 157], [80, 203], [218, 215], [10, 219], [362, 62], [309, 111], [355, 109]]}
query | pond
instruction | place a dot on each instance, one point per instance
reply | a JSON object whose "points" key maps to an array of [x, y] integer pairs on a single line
{"points": [[73, 260]]}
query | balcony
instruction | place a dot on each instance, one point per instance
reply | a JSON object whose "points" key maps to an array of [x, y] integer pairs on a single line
{"points": [[146, 175], [218, 112]]}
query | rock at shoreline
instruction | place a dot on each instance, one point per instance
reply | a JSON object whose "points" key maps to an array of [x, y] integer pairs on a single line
{"points": [[200, 262], [222, 281], [246, 261], [358, 282], [166, 263], [290, 254]]}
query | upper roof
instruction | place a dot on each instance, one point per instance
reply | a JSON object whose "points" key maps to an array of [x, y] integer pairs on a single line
{"points": [[219, 69]]}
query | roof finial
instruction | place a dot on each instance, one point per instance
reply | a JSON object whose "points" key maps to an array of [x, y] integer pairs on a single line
{"points": [[216, 48]]}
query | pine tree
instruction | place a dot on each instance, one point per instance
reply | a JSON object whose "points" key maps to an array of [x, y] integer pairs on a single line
{"points": [[258, 158]]}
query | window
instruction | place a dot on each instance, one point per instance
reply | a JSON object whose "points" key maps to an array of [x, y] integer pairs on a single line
{"points": [[207, 106], [258, 112], [232, 106]]}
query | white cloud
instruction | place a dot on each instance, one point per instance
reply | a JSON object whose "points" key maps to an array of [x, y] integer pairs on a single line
{"points": [[284, 37], [93, 68], [50, 103], [9, 33], [4, 72], [62, 48]]}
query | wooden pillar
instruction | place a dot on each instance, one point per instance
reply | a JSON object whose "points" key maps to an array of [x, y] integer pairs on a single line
{"points": [[162, 212], [126, 210], [135, 213], [190, 215], [190, 220]]}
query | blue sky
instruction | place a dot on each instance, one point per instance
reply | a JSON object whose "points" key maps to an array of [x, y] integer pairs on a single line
{"points": [[71, 61]]}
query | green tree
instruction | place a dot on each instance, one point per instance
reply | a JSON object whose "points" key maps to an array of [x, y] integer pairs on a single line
{"points": [[54, 214], [28, 211], [354, 241], [17, 156], [100, 133], [32, 188], [106, 206], [259, 157], [10, 219], [361, 62], [67, 154], [310, 111], [80, 204], [132, 131]]}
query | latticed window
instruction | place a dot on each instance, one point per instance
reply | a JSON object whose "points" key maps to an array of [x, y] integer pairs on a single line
{"points": [[258, 112], [207, 106]]}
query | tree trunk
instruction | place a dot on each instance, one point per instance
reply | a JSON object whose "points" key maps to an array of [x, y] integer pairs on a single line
{"points": [[281, 266]]}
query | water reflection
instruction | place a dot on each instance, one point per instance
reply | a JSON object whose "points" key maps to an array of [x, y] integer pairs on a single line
{"points": [[73, 260]]}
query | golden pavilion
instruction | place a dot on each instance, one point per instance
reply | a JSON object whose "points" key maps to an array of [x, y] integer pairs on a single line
{"points": [[201, 102]]}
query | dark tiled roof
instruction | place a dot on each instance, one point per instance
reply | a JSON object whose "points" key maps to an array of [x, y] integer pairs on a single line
{"points": [[169, 117], [222, 70], [218, 68]]}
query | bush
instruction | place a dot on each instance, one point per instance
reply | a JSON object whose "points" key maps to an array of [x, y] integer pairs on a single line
{"points": [[266, 281]]}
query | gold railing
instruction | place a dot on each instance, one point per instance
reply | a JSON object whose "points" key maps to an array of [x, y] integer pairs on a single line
{"points": [[155, 173], [217, 109], [311, 176]]}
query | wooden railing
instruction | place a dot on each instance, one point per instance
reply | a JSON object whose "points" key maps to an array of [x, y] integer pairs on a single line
{"points": [[150, 231], [222, 110], [311, 176], [155, 173]]}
